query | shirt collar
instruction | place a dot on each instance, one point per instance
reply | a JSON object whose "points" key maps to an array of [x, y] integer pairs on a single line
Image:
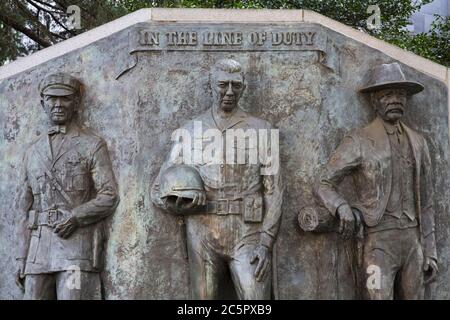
{"points": [[70, 129], [392, 128], [224, 124]]}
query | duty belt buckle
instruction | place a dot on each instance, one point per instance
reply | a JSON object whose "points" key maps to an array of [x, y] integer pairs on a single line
{"points": [[52, 217], [222, 206]]}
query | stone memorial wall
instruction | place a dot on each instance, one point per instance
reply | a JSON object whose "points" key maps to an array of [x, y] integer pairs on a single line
{"points": [[148, 73]]}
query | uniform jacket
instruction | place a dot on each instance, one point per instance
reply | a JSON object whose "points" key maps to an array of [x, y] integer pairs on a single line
{"points": [[83, 168], [235, 181]]}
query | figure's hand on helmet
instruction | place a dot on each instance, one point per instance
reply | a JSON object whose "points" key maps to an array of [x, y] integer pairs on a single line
{"points": [[198, 200], [182, 189], [182, 204]]}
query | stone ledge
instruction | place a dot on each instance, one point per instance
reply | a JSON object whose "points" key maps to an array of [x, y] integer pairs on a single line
{"points": [[227, 15]]}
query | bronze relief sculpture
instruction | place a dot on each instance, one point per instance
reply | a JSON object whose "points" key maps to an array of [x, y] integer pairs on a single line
{"points": [[67, 189], [230, 205], [231, 209], [393, 214]]}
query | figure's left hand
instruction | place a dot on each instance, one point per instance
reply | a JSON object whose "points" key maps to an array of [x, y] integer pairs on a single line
{"points": [[67, 227], [431, 269], [261, 254]]}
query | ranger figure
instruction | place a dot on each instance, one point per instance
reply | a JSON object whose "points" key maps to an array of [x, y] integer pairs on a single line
{"points": [[391, 169]]}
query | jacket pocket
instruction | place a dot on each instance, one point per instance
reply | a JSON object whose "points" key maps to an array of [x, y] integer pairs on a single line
{"points": [[79, 182]]}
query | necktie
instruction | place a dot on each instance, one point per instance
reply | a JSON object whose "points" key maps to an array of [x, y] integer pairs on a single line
{"points": [[57, 129], [398, 131]]}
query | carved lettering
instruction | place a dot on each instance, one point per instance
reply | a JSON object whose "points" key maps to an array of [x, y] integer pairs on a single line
{"points": [[309, 38], [181, 38], [258, 38], [148, 38], [293, 38], [222, 39]]}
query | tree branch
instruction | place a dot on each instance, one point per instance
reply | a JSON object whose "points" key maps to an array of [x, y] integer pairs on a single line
{"points": [[53, 17], [18, 27], [35, 20], [56, 8]]}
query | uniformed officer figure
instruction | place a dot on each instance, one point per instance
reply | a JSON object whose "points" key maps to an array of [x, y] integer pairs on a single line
{"points": [[391, 168], [240, 212], [67, 189]]}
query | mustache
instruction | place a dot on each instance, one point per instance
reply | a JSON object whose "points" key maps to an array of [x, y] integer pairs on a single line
{"points": [[397, 106], [58, 109]]}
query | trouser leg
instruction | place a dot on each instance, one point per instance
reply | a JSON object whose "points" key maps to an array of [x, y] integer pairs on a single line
{"points": [[40, 287], [242, 273], [78, 285], [380, 266], [411, 284], [206, 270]]}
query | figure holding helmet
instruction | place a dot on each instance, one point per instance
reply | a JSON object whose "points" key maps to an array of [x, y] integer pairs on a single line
{"points": [[232, 211]]}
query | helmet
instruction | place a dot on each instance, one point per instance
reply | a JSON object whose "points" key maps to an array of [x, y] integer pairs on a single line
{"points": [[181, 181]]}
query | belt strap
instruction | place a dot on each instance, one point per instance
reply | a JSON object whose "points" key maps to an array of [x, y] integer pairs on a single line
{"points": [[224, 207], [55, 182], [44, 218]]}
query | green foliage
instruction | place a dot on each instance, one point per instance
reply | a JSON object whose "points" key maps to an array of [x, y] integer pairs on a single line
{"points": [[434, 45], [394, 18], [10, 43]]}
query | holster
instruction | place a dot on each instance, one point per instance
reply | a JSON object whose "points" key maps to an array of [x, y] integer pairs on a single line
{"points": [[253, 208], [32, 220], [98, 246]]}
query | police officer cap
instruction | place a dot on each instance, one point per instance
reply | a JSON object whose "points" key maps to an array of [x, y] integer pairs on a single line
{"points": [[59, 84]]}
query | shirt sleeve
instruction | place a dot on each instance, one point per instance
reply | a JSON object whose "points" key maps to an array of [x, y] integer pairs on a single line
{"points": [[272, 192], [273, 198], [107, 198], [427, 207], [25, 202]]}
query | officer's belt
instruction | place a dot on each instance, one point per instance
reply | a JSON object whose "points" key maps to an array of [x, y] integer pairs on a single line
{"points": [[224, 206], [45, 218]]}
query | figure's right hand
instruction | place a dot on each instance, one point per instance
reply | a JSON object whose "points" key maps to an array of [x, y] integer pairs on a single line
{"points": [[20, 274], [346, 221], [199, 200], [180, 205]]}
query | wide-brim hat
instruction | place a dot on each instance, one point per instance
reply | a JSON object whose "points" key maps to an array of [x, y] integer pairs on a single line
{"points": [[390, 76]]}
